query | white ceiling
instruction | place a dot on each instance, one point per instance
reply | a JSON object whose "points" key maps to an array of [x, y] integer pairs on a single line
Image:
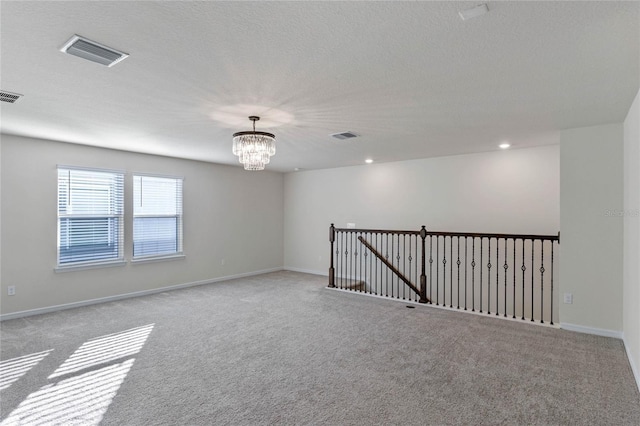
{"points": [[411, 78]]}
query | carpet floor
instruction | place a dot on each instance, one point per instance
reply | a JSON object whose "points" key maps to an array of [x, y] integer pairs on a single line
{"points": [[281, 348]]}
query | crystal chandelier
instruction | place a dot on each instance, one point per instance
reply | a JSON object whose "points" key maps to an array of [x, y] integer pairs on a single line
{"points": [[254, 149]]}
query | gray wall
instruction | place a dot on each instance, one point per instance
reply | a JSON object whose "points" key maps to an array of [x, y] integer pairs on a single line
{"points": [[591, 234], [229, 215], [512, 191]]}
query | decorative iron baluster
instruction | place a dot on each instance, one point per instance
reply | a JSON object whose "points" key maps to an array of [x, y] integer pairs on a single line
{"points": [[524, 268], [542, 281], [473, 275], [342, 267], [533, 248], [506, 266], [458, 263], [481, 251], [430, 268], [489, 278], [437, 271], [444, 271], [514, 278], [451, 272], [386, 285], [551, 282], [466, 247], [497, 277]]}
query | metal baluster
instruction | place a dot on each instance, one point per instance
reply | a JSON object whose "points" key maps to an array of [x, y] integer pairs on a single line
{"points": [[466, 247], [437, 270], [506, 266], [542, 281], [430, 283], [481, 244], [533, 248], [444, 270], [473, 274], [451, 263], [489, 278], [386, 284], [514, 278], [458, 263], [401, 258], [497, 276], [342, 260], [551, 282], [524, 268], [378, 282]]}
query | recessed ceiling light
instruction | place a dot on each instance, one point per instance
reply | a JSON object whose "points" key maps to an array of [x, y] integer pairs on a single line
{"points": [[504, 145], [474, 12], [368, 161]]}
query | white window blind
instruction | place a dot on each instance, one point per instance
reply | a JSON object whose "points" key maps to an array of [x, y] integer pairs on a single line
{"points": [[90, 216], [157, 216]]}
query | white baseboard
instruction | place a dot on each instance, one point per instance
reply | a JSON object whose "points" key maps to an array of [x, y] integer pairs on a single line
{"points": [[55, 308], [591, 330], [306, 271], [634, 368]]}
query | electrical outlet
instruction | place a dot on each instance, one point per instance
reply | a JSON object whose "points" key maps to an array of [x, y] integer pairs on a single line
{"points": [[351, 225], [11, 290], [568, 298], [222, 262]]}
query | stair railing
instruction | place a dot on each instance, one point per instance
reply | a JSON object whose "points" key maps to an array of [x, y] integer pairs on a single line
{"points": [[497, 274]]}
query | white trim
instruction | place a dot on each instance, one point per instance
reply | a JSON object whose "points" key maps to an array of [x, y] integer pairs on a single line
{"points": [[92, 169], [150, 259], [634, 369], [55, 308], [306, 271], [158, 175], [591, 330], [92, 265]]}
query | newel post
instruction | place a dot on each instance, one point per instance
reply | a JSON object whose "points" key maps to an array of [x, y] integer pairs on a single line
{"points": [[332, 272], [423, 275]]}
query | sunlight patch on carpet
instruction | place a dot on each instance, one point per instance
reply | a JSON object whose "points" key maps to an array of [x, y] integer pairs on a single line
{"points": [[105, 349], [12, 369]]}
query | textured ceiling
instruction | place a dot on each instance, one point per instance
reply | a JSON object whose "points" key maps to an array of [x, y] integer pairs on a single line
{"points": [[411, 78]]}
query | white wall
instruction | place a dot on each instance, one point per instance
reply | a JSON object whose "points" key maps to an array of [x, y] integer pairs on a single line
{"points": [[513, 191], [229, 214], [631, 277], [591, 233]]}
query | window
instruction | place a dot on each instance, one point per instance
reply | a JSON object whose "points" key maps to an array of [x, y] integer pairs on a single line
{"points": [[90, 216], [157, 216]]}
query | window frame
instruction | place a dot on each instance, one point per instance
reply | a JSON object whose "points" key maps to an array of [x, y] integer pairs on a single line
{"points": [[179, 216], [118, 204]]}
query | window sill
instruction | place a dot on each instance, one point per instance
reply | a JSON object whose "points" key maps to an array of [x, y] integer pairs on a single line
{"points": [[82, 267], [152, 259]]}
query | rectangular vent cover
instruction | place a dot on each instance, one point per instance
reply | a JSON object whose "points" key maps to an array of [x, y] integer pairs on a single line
{"points": [[9, 97], [344, 135], [92, 51]]}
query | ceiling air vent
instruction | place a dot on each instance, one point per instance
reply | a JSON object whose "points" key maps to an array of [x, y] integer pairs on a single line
{"points": [[92, 51], [344, 135], [12, 98]]}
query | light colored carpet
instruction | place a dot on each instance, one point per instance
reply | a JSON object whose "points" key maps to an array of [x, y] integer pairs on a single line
{"points": [[282, 349]]}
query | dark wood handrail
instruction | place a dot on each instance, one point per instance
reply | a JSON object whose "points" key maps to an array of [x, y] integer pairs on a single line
{"points": [[377, 231], [455, 234], [389, 265], [500, 236]]}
